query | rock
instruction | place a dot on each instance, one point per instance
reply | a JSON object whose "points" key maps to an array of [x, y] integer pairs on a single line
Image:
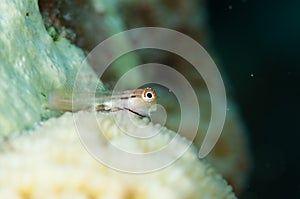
{"points": [[32, 65]]}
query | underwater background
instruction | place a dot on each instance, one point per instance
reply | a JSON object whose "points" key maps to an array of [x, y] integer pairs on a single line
{"points": [[43, 47], [258, 42]]}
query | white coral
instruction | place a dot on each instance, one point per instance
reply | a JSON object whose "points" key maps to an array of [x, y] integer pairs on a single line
{"points": [[50, 162]]}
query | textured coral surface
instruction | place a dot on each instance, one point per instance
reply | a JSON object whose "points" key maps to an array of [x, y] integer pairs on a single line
{"points": [[51, 162]]}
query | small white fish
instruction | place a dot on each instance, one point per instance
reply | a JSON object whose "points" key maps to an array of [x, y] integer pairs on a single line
{"points": [[139, 101]]}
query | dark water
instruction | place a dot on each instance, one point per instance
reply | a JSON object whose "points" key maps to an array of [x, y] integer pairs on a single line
{"points": [[258, 42]]}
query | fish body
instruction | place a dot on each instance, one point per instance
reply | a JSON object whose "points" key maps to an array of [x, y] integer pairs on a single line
{"points": [[139, 101]]}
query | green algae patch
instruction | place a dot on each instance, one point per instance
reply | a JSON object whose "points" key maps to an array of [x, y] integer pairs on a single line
{"points": [[32, 65]]}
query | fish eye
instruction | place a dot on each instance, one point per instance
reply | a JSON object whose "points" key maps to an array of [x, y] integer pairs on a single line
{"points": [[149, 95]]}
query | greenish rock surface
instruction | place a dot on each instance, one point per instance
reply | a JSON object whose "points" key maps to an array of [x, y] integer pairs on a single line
{"points": [[32, 65]]}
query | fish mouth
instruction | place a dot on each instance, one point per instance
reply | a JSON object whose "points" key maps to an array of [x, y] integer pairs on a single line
{"points": [[132, 111]]}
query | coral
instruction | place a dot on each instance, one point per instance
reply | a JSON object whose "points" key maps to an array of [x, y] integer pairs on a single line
{"points": [[50, 162], [32, 65]]}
